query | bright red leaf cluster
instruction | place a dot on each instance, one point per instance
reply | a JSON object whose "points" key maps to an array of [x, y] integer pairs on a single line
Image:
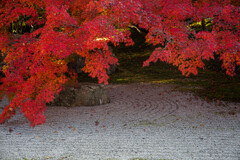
{"points": [[36, 64]]}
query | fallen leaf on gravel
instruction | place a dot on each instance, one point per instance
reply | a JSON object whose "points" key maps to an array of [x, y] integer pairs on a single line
{"points": [[70, 127], [102, 119], [74, 129], [55, 132], [10, 130], [18, 133], [201, 125], [231, 113], [96, 123], [103, 126], [37, 136]]}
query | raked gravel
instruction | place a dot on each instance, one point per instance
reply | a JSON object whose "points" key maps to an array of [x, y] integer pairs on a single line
{"points": [[149, 121]]}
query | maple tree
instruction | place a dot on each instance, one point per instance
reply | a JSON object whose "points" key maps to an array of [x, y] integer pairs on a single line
{"points": [[36, 58]]}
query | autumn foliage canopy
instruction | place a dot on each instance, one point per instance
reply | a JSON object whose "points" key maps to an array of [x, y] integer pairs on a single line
{"points": [[36, 58]]}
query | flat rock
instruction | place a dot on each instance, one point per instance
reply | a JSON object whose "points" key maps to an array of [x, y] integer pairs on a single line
{"points": [[84, 94]]}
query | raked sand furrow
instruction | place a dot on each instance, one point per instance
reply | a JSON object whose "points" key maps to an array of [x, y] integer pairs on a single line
{"points": [[143, 120]]}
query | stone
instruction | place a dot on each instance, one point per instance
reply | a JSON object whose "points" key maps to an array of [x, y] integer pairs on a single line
{"points": [[84, 94]]}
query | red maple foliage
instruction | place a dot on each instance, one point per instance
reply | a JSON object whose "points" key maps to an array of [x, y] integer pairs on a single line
{"points": [[36, 66]]}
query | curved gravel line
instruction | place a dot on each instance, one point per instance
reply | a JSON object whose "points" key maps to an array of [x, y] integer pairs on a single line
{"points": [[149, 121]]}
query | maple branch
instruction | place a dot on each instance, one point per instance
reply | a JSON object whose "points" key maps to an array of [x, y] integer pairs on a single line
{"points": [[77, 27], [132, 26], [166, 42]]}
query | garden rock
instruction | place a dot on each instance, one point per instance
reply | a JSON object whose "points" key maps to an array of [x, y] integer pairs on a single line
{"points": [[83, 94]]}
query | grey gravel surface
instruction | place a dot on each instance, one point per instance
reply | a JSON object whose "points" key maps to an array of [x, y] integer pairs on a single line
{"points": [[142, 121]]}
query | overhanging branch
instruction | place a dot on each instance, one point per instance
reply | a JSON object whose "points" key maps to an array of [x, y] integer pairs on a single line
{"points": [[132, 26]]}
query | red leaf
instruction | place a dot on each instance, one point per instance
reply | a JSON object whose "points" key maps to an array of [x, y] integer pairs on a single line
{"points": [[10, 130], [96, 123]]}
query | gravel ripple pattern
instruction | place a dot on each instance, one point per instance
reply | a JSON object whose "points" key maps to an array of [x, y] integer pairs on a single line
{"points": [[149, 121]]}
